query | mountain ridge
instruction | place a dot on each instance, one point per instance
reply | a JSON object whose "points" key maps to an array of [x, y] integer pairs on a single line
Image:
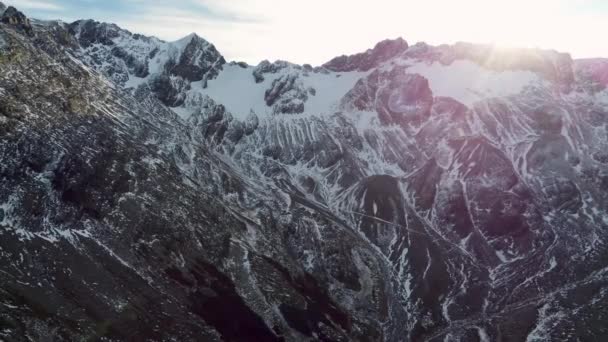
{"points": [[152, 190]]}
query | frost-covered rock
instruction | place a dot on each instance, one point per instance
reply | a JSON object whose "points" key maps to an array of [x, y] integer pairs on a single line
{"points": [[286, 95], [265, 67], [413, 193], [11, 16], [130, 60]]}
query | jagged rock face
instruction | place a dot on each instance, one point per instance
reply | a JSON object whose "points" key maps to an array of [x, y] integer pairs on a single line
{"points": [[382, 197], [382, 52], [12, 16], [133, 60], [286, 95], [198, 60], [397, 96], [265, 67], [552, 65]]}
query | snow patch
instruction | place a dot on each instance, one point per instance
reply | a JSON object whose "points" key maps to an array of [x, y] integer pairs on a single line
{"points": [[468, 82], [236, 89]]}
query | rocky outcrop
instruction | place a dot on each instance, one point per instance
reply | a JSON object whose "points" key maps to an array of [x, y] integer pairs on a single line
{"points": [[123, 57], [265, 67], [397, 96], [199, 60], [365, 61], [286, 95], [138, 204], [13, 17]]}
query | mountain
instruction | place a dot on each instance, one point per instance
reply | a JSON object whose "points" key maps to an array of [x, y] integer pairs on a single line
{"points": [[151, 190]]}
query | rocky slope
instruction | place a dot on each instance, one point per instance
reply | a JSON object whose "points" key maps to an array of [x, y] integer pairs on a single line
{"points": [[150, 190]]}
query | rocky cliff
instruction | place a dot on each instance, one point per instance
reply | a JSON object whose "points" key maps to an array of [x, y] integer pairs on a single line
{"points": [[150, 190]]}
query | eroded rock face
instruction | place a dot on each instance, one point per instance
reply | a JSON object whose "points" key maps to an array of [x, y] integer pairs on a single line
{"points": [[13, 17], [138, 201], [265, 67], [365, 61], [131, 60], [199, 60], [397, 96], [286, 95]]}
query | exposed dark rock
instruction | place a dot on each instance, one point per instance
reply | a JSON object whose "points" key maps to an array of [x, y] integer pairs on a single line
{"points": [[89, 32], [265, 67], [391, 214], [199, 60], [397, 96], [286, 95], [169, 90], [365, 61], [13, 17]]}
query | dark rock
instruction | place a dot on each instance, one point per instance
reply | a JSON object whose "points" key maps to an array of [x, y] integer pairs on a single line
{"points": [[240, 64], [169, 90], [89, 32], [286, 95], [406, 99], [199, 60], [365, 61], [265, 67], [13, 17], [398, 216]]}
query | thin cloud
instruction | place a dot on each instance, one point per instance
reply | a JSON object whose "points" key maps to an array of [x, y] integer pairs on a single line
{"points": [[36, 5], [317, 30]]}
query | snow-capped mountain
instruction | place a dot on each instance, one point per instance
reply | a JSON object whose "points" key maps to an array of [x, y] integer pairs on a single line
{"points": [[151, 190]]}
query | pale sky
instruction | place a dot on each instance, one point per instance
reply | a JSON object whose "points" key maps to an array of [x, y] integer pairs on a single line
{"points": [[314, 31]]}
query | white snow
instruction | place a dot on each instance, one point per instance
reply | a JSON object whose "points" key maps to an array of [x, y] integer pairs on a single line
{"points": [[134, 81], [236, 89], [182, 112], [501, 255], [330, 89], [483, 335], [468, 82]]}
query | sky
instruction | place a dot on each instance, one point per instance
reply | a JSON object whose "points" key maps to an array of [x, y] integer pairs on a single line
{"points": [[314, 31]]}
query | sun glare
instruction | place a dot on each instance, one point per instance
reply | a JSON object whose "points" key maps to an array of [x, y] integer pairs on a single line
{"points": [[514, 23]]}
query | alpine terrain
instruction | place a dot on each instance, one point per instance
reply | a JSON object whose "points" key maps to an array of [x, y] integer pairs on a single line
{"points": [[153, 191]]}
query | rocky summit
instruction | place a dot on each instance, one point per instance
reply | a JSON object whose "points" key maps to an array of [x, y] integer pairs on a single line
{"points": [[153, 191]]}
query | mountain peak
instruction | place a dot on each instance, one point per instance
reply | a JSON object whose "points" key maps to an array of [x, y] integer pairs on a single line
{"points": [[14, 17], [2, 7], [197, 58], [182, 43]]}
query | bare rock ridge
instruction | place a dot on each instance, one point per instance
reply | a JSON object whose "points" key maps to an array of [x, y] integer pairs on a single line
{"points": [[12, 16], [365, 61], [151, 191]]}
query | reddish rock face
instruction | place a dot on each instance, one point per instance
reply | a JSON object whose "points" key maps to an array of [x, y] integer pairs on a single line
{"points": [[398, 97], [365, 61], [595, 70]]}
